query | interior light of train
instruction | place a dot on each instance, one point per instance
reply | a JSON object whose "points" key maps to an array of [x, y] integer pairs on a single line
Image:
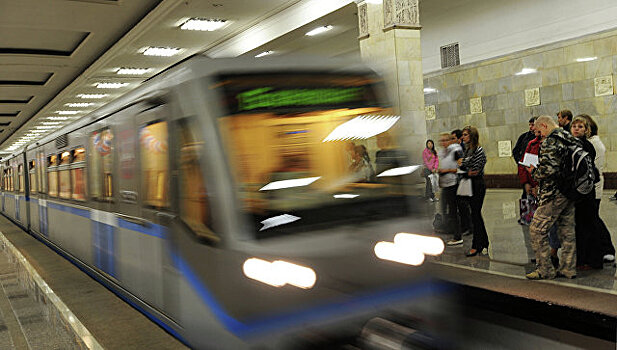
{"points": [[203, 24], [110, 85], [279, 273], [398, 253], [345, 195], [526, 71], [79, 104], [267, 97], [277, 185], [362, 127], [404, 170], [265, 53], [278, 221], [319, 30], [429, 90], [67, 112], [586, 59], [132, 71], [57, 118], [161, 51], [427, 244], [92, 96]]}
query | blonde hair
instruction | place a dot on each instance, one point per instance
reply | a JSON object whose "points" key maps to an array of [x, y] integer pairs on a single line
{"points": [[584, 121], [548, 120]]}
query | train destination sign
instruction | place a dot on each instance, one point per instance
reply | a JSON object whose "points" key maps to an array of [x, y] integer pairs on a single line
{"points": [[296, 92], [268, 97]]}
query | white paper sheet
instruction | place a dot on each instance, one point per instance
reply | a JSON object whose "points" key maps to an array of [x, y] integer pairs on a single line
{"points": [[529, 159]]}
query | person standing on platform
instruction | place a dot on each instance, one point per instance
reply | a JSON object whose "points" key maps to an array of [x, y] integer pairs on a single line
{"points": [[463, 207], [553, 207], [519, 150], [431, 163], [606, 244], [473, 164], [564, 118], [448, 181]]}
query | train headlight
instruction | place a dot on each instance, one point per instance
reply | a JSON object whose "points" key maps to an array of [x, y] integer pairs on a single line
{"points": [[279, 273], [409, 248]]}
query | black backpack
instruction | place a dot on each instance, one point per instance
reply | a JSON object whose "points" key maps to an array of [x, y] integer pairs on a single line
{"points": [[578, 174]]}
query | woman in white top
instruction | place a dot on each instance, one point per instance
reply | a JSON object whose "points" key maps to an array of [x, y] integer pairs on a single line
{"points": [[606, 244]]}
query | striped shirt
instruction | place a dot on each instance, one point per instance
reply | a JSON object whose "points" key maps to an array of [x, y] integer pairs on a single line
{"points": [[474, 160]]}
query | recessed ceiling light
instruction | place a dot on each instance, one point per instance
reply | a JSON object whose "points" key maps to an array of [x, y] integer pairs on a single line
{"points": [[110, 85], [161, 51], [319, 30], [265, 53], [45, 127], [526, 71], [203, 24], [586, 59], [51, 123], [58, 118], [67, 112], [92, 96], [132, 71], [80, 104], [429, 90]]}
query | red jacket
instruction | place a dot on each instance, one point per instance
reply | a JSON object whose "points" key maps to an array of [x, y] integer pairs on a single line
{"points": [[524, 176]]}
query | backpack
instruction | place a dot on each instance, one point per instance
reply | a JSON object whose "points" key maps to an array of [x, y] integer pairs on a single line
{"points": [[578, 174]]}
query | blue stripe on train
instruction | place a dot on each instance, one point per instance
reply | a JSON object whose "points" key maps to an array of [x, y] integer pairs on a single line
{"points": [[103, 242]]}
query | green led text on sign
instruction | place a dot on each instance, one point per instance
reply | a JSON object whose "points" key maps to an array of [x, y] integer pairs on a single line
{"points": [[262, 98]]}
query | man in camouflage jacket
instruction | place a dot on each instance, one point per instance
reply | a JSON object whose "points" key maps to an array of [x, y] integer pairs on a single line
{"points": [[554, 207]]}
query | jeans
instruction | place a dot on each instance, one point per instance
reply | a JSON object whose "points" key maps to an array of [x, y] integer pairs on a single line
{"points": [[480, 237], [449, 210]]}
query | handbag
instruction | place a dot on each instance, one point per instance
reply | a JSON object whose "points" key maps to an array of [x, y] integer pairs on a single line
{"points": [[528, 208], [434, 182], [464, 188]]}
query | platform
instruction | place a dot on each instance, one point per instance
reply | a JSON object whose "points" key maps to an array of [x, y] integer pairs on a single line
{"points": [[112, 323]]}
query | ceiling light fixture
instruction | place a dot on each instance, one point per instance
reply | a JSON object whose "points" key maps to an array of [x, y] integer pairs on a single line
{"points": [[57, 118], [203, 24], [161, 51], [265, 53], [526, 71], [586, 59], [319, 30], [429, 90], [80, 104], [132, 71], [67, 112], [110, 85], [92, 96]]}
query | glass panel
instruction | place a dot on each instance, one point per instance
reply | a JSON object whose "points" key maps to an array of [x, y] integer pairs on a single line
{"points": [[194, 209], [154, 164], [52, 175], [20, 178], [32, 172], [65, 184], [77, 174], [40, 171], [101, 163]]}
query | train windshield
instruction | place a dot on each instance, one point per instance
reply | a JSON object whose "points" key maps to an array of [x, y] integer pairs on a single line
{"points": [[310, 151]]}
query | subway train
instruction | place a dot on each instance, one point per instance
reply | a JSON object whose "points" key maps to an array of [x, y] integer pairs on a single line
{"points": [[235, 202]]}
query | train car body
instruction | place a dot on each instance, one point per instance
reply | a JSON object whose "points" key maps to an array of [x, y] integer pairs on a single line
{"points": [[234, 202]]}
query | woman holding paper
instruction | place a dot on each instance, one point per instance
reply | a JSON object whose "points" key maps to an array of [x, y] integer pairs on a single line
{"points": [[473, 164], [529, 184]]}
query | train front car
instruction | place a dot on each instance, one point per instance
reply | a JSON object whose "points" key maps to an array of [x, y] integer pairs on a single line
{"points": [[321, 213]]}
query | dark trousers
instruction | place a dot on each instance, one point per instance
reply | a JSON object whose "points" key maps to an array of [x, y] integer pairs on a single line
{"points": [[587, 230], [480, 237], [464, 213], [606, 244], [449, 210], [428, 191]]}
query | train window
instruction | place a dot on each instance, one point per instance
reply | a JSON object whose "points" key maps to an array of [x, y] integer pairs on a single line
{"points": [[20, 178], [52, 175], [31, 170], [77, 173], [101, 161], [194, 208], [39, 173], [11, 179], [64, 176], [154, 164]]}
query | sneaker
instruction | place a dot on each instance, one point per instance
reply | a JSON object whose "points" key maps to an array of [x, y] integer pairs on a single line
{"points": [[609, 258], [435, 199], [613, 197], [484, 251], [559, 274], [455, 242], [535, 275], [466, 233]]}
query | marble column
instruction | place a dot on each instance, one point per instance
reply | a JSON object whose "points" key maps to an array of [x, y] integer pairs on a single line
{"points": [[390, 42]]}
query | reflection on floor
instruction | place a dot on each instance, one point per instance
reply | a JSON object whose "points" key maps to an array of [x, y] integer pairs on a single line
{"points": [[510, 252]]}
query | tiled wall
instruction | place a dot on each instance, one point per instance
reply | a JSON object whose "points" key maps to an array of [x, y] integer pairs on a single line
{"points": [[562, 81]]}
